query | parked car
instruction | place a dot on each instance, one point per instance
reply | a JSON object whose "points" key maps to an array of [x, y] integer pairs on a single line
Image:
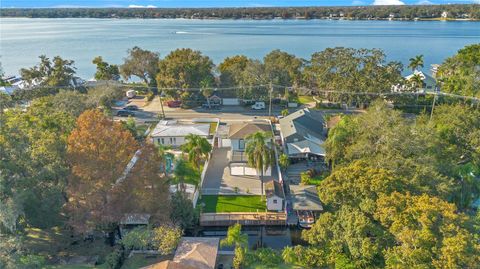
{"points": [[131, 94], [174, 103], [125, 113], [258, 105], [131, 107]]}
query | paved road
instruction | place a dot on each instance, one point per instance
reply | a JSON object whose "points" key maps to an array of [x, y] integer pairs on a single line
{"points": [[226, 113]]}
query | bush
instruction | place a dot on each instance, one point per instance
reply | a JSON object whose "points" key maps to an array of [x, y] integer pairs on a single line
{"points": [[166, 238], [139, 239], [305, 178], [32, 261], [264, 256], [150, 96], [115, 259]]}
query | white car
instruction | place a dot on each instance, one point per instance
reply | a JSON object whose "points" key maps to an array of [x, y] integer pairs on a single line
{"points": [[258, 105]]}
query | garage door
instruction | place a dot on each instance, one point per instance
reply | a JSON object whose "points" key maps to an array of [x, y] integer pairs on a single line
{"points": [[231, 101]]}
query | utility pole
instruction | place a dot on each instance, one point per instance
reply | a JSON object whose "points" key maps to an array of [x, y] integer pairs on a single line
{"points": [[161, 105], [270, 106], [433, 105]]}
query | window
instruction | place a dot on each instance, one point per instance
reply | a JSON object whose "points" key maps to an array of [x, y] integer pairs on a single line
{"points": [[163, 141], [275, 201], [241, 144]]}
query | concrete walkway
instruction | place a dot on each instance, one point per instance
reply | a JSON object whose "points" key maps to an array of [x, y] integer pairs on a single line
{"points": [[219, 181]]}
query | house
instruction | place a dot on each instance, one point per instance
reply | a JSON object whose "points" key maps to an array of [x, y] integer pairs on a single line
{"points": [[240, 131], [172, 133], [275, 195], [306, 204], [237, 136], [192, 253], [303, 135], [8, 89], [429, 84]]}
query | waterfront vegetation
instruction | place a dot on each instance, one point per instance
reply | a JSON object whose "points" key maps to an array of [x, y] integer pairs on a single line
{"points": [[232, 203], [426, 12], [415, 176]]}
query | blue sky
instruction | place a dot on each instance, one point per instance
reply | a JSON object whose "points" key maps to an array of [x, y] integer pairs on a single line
{"points": [[215, 3]]}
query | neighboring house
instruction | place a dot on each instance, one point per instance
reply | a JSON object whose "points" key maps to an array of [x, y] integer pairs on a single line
{"points": [[306, 204], [173, 133], [429, 84], [303, 134], [8, 89], [192, 253], [275, 195]]}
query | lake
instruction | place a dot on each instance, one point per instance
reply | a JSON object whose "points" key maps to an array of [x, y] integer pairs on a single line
{"points": [[23, 39]]}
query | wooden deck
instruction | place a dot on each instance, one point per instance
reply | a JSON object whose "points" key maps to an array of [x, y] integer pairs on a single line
{"points": [[244, 218]]}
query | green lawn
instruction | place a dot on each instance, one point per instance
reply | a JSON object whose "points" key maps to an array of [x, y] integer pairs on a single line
{"points": [[304, 99], [232, 203]]}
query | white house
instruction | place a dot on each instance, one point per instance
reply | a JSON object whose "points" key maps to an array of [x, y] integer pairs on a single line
{"points": [[429, 84], [173, 133], [275, 195]]}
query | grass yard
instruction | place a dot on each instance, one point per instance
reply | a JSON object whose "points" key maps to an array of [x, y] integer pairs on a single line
{"points": [[304, 99], [232, 203]]}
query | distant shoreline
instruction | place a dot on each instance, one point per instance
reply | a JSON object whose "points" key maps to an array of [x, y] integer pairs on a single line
{"points": [[455, 12], [253, 19]]}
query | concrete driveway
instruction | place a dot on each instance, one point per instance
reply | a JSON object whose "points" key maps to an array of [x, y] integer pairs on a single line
{"points": [[219, 181]]}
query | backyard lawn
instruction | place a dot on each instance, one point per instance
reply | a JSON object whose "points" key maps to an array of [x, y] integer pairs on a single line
{"points": [[232, 203]]}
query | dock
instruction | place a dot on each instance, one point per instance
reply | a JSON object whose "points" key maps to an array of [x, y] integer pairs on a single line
{"points": [[243, 218]]}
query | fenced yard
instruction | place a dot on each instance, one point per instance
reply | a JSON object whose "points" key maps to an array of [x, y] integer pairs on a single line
{"points": [[231, 203]]}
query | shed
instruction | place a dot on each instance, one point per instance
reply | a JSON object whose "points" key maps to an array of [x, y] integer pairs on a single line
{"points": [[275, 195]]}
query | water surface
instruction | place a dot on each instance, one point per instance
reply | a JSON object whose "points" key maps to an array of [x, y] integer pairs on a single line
{"points": [[23, 39]]}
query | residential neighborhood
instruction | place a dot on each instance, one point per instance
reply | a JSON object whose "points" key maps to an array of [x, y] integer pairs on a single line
{"points": [[344, 159]]}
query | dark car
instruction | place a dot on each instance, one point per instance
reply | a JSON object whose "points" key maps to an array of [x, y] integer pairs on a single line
{"points": [[131, 107], [125, 113], [174, 103]]}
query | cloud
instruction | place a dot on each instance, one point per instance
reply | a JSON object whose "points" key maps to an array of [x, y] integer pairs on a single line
{"points": [[140, 6], [387, 3], [425, 2]]}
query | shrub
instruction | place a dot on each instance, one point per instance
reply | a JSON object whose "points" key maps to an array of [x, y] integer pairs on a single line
{"points": [[115, 259], [305, 178], [139, 239], [32, 261], [166, 238], [150, 96]]}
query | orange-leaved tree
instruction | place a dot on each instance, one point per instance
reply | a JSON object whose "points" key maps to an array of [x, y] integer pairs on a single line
{"points": [[98, 152]]}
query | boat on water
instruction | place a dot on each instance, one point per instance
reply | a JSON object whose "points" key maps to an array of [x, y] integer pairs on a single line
{"points": [[306, 219]]}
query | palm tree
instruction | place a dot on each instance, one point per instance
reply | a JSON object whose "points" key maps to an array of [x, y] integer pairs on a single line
{"points": [[416, 62], [236, 238], [184, 173], [259, 154], [162, 151], [284, 161], [197, 148], [417, 82]]}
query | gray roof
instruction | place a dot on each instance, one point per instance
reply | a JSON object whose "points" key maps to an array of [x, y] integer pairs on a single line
{"points": [[303, 123], [174, 129], [272, 188], [135, 219], [306, 146], [305, 197]]}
